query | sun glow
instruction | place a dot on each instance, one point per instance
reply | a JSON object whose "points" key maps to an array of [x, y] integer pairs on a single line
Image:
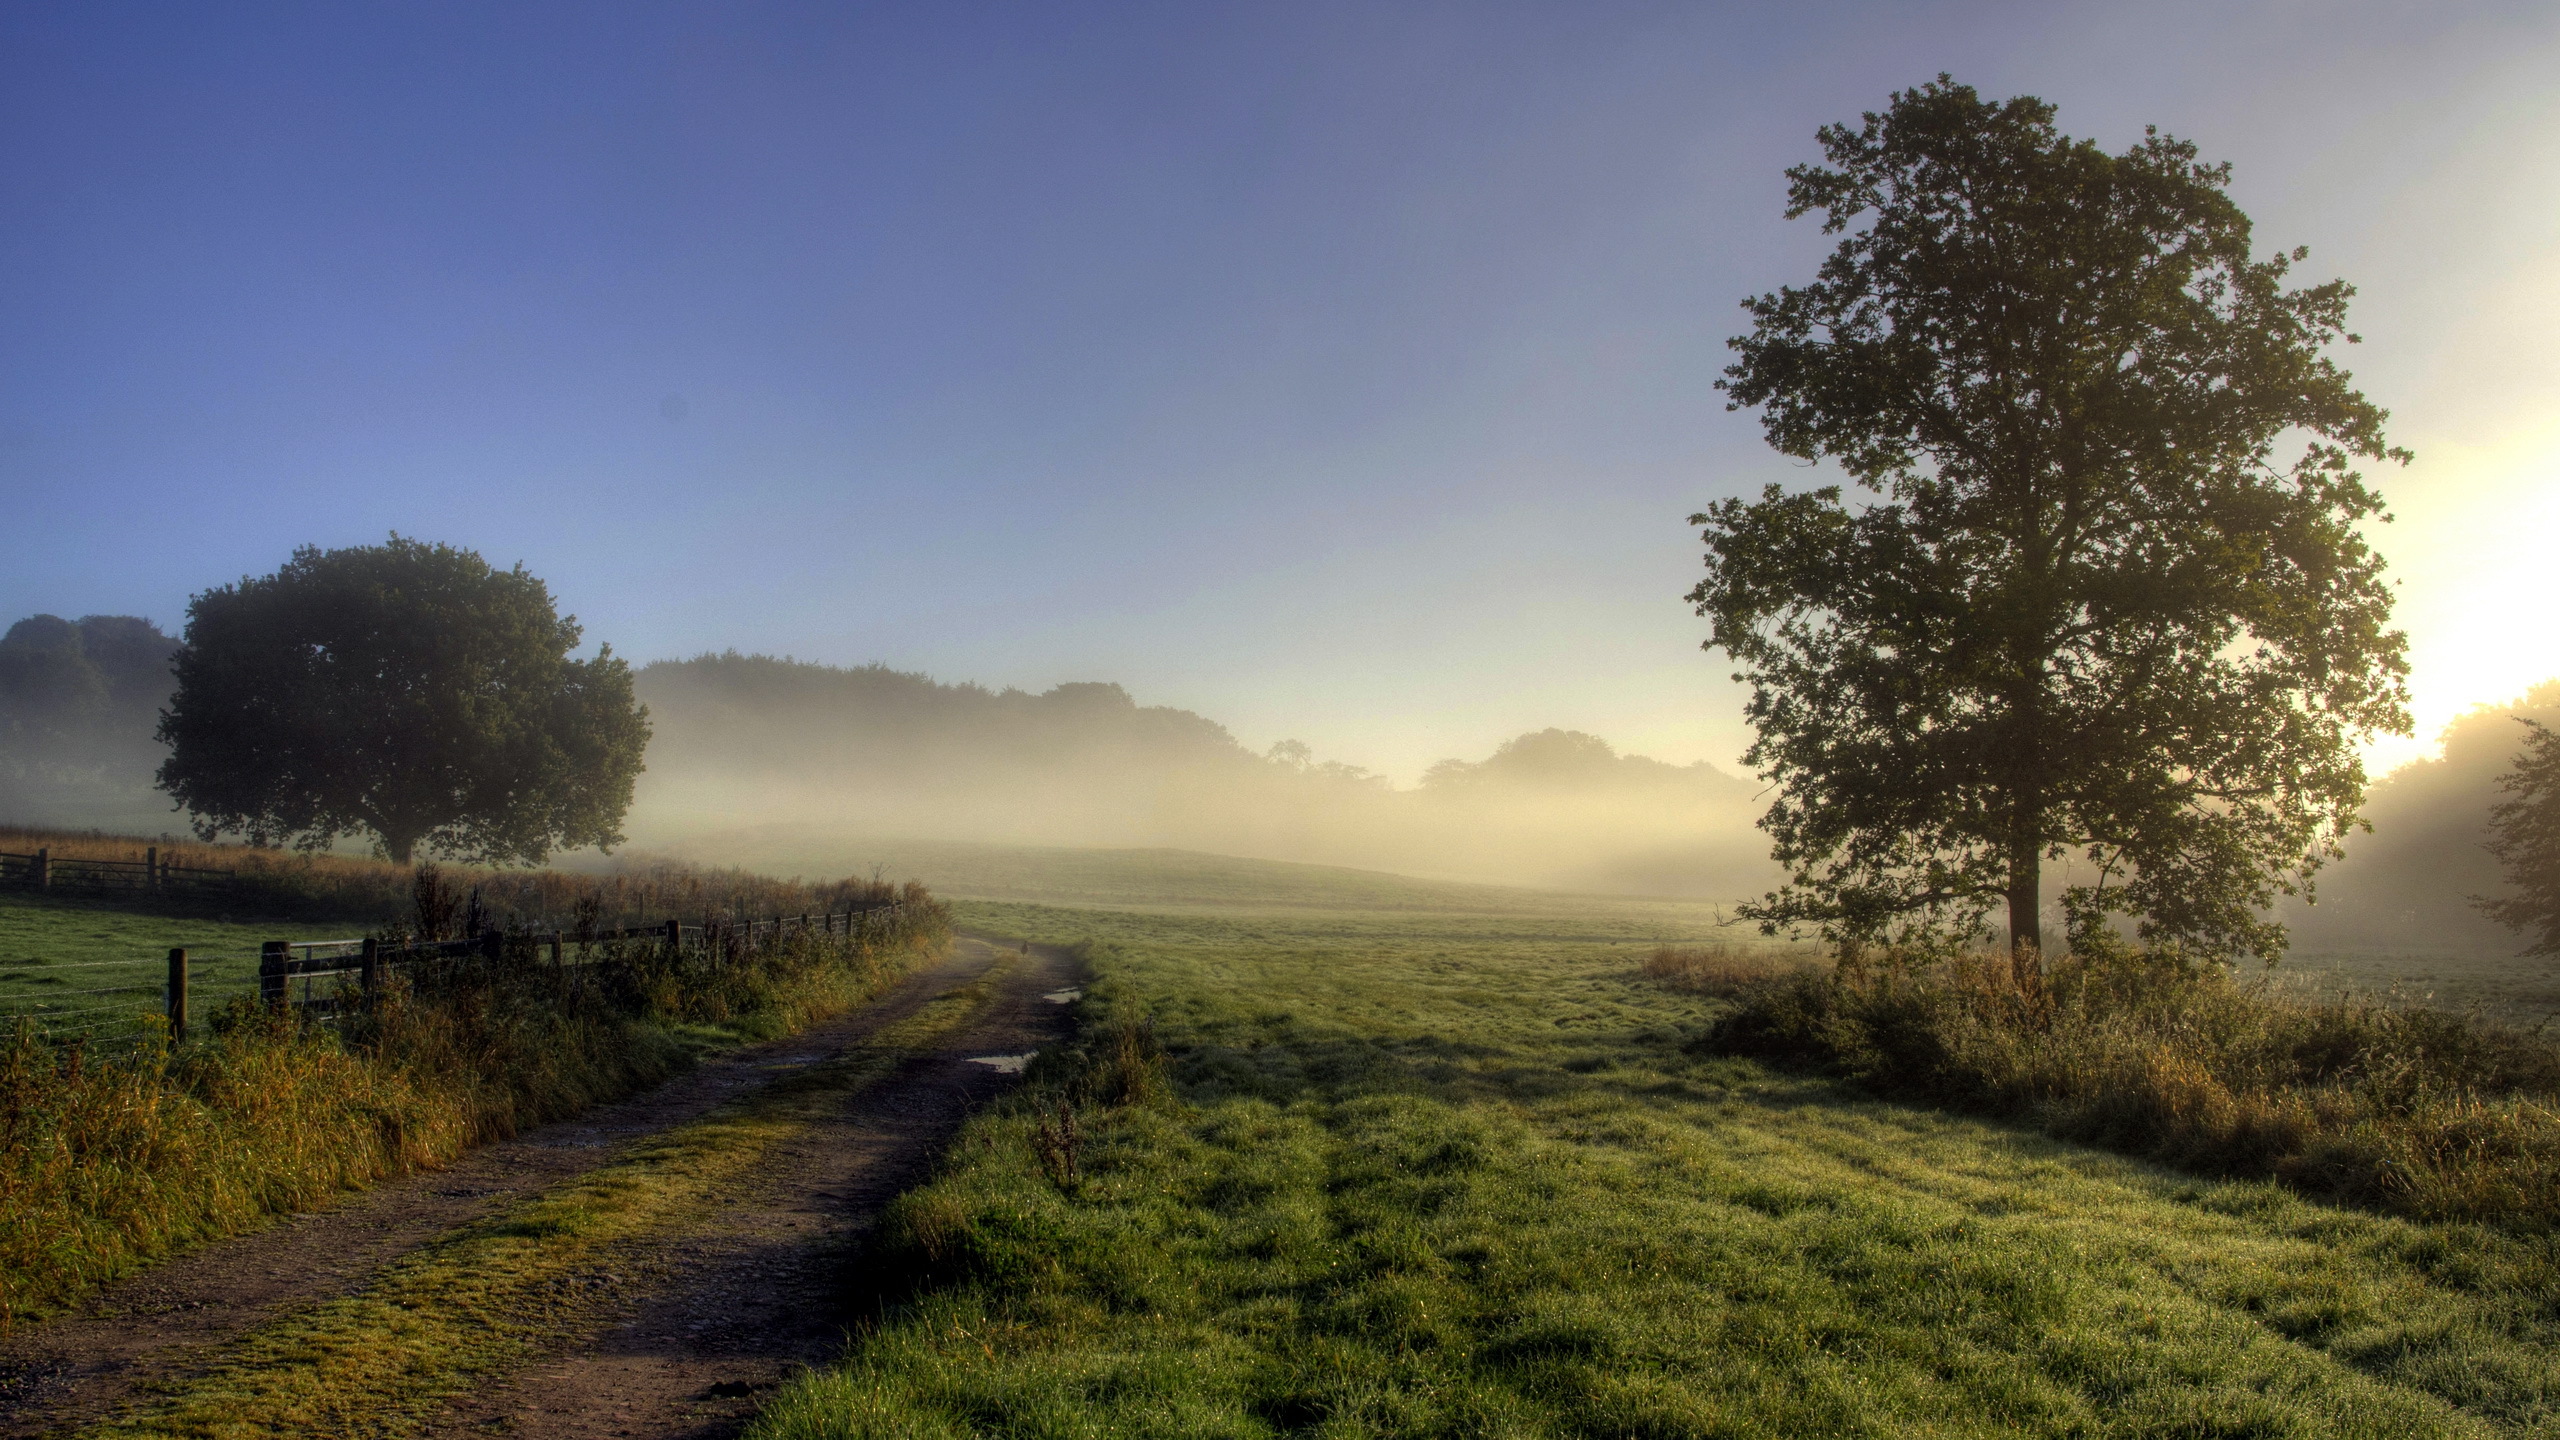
{"points": [[2473, 551]]}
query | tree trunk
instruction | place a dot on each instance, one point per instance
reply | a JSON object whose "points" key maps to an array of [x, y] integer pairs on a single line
{"points": [[2026, 928], [398, 844]]}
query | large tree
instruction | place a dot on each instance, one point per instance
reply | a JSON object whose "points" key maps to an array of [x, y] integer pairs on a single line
{"points": [[2105, 598], [2524, 833], [407, 691]]}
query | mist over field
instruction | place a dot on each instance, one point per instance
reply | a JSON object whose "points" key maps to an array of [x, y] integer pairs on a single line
{"points": [[821, 769], [769, 756], [2407, 886]]}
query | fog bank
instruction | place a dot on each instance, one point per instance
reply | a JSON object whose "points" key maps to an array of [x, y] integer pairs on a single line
{"points": [[873, 753]]}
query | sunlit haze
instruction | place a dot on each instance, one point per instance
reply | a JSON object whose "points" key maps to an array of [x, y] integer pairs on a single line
{"points": [[1340, 373]]}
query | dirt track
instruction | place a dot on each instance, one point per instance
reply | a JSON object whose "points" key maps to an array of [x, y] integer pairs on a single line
{"points": [[686, 1339]]}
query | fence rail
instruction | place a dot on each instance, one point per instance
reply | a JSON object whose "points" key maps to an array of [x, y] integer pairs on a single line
{"points": [[288, 974], [371, 962], [45, 870]]}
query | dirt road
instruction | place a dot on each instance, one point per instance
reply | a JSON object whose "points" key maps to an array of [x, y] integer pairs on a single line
{"points": [[687, 1327]]}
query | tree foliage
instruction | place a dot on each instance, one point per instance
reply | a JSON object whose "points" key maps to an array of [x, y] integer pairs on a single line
{"points": [[79, 695], [407, 691], [2109, 601], [2524, 833]]}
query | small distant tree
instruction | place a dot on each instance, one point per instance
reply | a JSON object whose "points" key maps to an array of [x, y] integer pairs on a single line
{"points": [[2110, 601], [407, 691], [2524, 833]]}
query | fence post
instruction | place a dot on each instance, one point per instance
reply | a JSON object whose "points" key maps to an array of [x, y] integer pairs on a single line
{"points": [[555, 949], [493, 944], [271, 957], [369, 968], [151, 868], [675, 941], [177, 994], [44, 867]]}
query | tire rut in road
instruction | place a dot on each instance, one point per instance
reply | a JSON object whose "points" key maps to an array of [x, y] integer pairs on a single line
{"points": [[738, 1300], [174, 1318]]}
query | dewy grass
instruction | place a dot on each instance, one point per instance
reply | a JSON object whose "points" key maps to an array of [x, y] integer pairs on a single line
{"points": [[381, 1362], [1412, 1178], [109, 1161], [2431, 1113]]}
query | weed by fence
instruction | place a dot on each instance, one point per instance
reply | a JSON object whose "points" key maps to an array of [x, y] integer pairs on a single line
{"points": [[304, 1080], [368, 893], [150, 875]]}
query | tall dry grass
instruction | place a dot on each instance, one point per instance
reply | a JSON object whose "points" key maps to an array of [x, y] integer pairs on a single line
{"points": [[355, 889], [2419, 1111], [107, 1161]]}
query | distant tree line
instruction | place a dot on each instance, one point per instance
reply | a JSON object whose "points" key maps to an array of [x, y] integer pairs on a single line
{"points": [[78, 701]]}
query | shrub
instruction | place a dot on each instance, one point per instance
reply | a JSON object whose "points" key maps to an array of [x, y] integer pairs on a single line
{"points": [[2431, 1114]]}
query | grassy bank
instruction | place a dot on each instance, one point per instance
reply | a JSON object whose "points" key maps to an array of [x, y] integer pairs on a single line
{"points": [[483, 1300], [107, 1161], [2431, 1113], [1357, 1175]]}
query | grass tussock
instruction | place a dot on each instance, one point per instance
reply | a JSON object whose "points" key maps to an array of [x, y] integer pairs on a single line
{"points": [[2419, 1111], [107, 1161], [1723, 970], [345, 888]]}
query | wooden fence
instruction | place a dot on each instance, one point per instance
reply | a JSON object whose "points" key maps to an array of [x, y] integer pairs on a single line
{"points": [[368, 963], [45, 870]]}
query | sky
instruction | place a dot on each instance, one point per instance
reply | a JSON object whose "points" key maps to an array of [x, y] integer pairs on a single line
{"points": [[1341, 372]]}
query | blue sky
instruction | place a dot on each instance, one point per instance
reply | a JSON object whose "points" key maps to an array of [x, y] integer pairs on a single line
{"points": [[1341, 372]]}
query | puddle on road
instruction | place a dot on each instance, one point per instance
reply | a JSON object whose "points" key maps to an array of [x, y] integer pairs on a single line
{"points": [[1061, 997], [1004, 1064]]}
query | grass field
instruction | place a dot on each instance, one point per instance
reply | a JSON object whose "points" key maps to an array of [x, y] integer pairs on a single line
{"points": [[1164, 878], [79, 967], [2526, 991], [1420, 1175]]}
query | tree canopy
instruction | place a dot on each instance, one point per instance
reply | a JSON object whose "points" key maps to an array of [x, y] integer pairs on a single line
{"points": [[2524, 834], [80, 696], [407, 691], [2108, 601]]}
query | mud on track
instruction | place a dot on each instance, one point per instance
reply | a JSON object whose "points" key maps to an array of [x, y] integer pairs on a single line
{"points": [[690, 1326]]}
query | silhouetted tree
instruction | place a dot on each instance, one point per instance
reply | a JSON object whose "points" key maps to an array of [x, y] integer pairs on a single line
{"points": [[2524, 833], [407, 691], [2092, 610]]}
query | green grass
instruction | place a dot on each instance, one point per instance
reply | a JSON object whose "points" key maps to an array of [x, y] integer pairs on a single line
{"points": [[60, 955], [2520, 990], [1423, 1176]]}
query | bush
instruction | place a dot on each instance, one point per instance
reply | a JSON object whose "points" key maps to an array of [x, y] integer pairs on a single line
{"points": [[2414, 1110]]}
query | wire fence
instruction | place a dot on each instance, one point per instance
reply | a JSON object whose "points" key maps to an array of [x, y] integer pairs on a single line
{"points": [[44, 870], [166, 998]]}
